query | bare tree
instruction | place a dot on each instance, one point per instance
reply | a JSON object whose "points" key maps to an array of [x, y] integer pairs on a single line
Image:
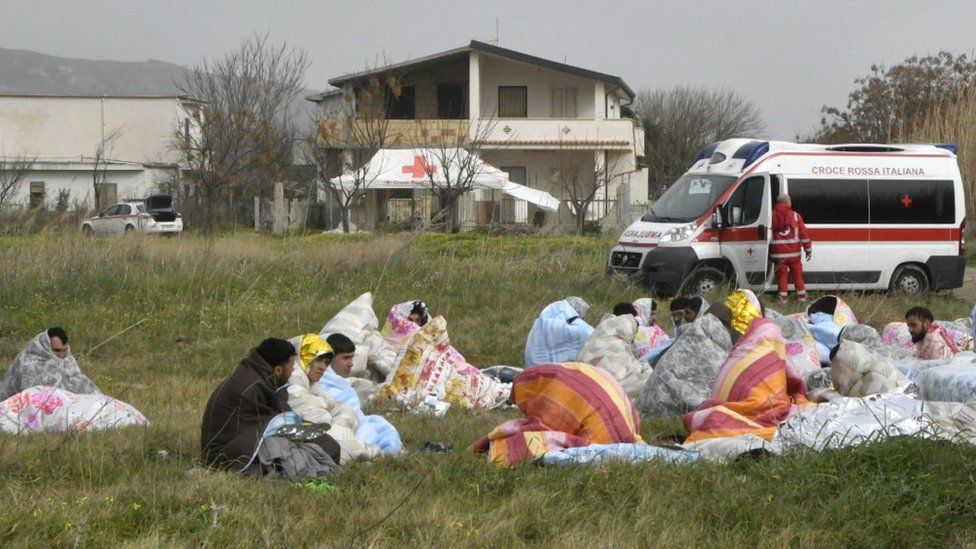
{"points": [[348, 132], [580, 181], [243, 139], [13, 174], [100, 165], [457, 146], [680, 121]]}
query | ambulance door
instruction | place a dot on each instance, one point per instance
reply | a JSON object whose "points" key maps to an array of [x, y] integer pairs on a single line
{"points": [[744, 235]]}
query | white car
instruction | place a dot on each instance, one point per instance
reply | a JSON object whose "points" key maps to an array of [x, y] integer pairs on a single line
{"points": [[154, 215]]}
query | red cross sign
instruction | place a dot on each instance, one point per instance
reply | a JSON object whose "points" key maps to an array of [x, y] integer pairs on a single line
{"points": [[420, 168], [906, 200]]}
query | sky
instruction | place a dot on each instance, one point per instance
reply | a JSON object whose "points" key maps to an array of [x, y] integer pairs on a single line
{"points": [[788, 57]]}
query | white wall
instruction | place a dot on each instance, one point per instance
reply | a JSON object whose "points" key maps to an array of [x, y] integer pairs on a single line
{"points": [[495, 71], [72, 127], [132, 182]]}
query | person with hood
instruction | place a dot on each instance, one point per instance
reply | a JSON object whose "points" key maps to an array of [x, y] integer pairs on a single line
{"points": [[46, 361], [240, 408], [789, 236]]}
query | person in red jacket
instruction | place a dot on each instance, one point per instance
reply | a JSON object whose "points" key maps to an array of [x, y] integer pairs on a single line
{"points": [[789, 236]]}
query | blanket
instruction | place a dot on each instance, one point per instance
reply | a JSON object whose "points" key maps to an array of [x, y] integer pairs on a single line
{"points": [[745, 307], [565, 405], [557, 335], [399, 329], [611, 347], [280, 457], [955, 334], [801, 348], [625, 452], [755, 391], [37, 365], [427, 368], [357, 321], [683, 376], [954, 381], [857, 371], [371, 430], [838, 311], [43, 408]]}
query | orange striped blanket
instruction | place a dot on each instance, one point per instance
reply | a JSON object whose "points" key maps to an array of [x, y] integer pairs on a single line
{"points": [[755, 390], [566, 405]]}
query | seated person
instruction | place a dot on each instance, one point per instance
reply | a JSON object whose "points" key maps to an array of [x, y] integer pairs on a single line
{"points": [[624, 308], [241, 407], [558, 333], [46, 361], [677, 307], [694, 306], [650, 338], [309, 398], [403, 321], [930, 339]]}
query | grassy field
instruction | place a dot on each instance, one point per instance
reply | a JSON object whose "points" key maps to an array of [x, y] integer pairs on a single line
{"points": [[198, 304]]}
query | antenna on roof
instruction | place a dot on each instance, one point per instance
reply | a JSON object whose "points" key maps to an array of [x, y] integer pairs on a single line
{"points": [[495, 40]]}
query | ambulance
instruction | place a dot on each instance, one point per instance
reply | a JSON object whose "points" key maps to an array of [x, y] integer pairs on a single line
{"points": [[881, 217]]}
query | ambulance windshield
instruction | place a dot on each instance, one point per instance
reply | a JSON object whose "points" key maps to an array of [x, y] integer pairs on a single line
{"points": [[688, 198]]}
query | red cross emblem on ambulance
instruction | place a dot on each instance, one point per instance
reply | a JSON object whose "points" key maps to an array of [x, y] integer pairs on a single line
{"points": [[906, 200]]}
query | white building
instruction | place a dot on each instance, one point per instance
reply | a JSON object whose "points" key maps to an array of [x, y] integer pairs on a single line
{"points": [[536, 119], [66, 133]]}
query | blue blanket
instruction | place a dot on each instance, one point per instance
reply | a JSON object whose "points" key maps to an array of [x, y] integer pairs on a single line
{"points": [[372, 429], [556, 336]]}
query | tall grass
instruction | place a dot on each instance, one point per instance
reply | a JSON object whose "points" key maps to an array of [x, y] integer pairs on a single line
{"points": [[203, 302]]}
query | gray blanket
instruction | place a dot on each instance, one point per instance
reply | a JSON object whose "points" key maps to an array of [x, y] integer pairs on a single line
{"points": [[38, 365], [684, 375], [283, 458]]}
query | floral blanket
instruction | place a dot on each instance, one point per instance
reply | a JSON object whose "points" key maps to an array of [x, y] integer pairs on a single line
{"points": [[42, 408]]}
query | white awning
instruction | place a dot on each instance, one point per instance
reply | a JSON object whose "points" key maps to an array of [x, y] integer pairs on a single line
{"points": [[414, 169]]}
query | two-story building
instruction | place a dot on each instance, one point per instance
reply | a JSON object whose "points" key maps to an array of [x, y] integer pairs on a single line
{"points": [[123, 146], [549, 125]]}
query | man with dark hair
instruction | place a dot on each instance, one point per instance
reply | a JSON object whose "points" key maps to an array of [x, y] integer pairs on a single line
{"points": [[345, 353], [46, 361], [624, 308], [241, 407], [693, 308], [931, 340], [677, 308]]}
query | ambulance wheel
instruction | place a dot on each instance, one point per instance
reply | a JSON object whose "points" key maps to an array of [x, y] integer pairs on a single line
{"points": [[703, 281], [909, 279]]}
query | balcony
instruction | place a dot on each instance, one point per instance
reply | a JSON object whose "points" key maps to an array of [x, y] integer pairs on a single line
{"points": [[519, 133]]}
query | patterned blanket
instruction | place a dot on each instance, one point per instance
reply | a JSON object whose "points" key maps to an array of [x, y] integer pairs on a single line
{"points": [[43, 408], [557, 335], [427, 369], [755, 391], [399, 329], [565, 405], [611, 347]]}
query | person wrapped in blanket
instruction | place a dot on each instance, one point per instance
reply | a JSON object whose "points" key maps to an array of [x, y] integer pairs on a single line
{"points": [[45, 390], [238, 413], [650, 338], [319, 393], [931, 340], [406, 319], [684, 310]]}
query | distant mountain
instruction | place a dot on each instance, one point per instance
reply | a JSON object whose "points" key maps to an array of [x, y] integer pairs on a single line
{"points": [[23, 71]]}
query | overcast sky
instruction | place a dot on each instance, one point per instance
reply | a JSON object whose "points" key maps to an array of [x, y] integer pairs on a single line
{"points": [[790, 57]]}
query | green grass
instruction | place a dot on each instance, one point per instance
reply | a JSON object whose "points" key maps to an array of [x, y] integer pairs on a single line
{"points": [[203, 302]]}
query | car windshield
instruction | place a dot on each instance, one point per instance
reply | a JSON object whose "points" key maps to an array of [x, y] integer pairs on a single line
{"points": [[688, 198]]}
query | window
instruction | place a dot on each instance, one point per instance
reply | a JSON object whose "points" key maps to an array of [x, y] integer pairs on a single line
{"points": [[901, 201], [516, 174], [403, 107], [124, 209], [746, 202], [186, 134], [114, 210], [563, 103], [830, 201], [36, 199], [688, 198], [513, 102], [450, 102], [107, 193]]}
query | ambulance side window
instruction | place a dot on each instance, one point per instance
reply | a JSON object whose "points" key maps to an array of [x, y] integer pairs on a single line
{"points": [[830, 201], [744, 206]]}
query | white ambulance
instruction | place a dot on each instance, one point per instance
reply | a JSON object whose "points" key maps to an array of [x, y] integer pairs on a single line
{"points": [[879, 216]]}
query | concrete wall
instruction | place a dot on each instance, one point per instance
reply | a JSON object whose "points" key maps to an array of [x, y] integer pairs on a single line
{"points": [[65, 128]]}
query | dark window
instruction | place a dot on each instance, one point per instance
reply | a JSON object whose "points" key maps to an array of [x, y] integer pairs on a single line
{"points": [[513, 101], [36, 198], [114, 210], [901, 201], [516, 174], [403, 107], [746, 202], [124, 209], [450, 101], [774, 187], [830, 201]]}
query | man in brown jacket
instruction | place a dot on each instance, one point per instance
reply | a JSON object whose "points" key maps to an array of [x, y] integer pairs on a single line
{"points": [[242, 405]]}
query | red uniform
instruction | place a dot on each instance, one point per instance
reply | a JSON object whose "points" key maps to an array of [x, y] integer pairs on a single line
{"points": [[789, 236]]}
